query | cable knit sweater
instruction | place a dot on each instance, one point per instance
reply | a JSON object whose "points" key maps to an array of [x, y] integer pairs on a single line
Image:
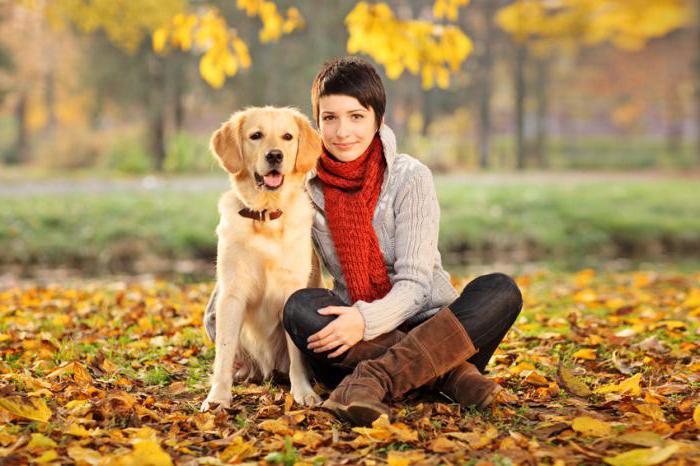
{"points": [[406, 220]]}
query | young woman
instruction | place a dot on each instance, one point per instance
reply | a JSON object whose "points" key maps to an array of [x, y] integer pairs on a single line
{"points": [[393, 322]]}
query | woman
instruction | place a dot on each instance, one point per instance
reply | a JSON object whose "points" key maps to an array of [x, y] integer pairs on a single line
{"points": [[393, 322]]}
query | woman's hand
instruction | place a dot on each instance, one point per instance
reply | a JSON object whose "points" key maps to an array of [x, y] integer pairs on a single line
{"points": [[346, 330]]}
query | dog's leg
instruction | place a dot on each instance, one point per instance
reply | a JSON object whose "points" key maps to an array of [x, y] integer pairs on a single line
{"points": [[301, 389], [230, 310]]}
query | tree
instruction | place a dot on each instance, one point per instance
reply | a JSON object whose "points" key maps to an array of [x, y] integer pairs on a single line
{"points": [[626, 24]]}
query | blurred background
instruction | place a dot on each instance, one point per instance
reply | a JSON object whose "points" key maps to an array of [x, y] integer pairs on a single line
{"points": [[563, 134]]}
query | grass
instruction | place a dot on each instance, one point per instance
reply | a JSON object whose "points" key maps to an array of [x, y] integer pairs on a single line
{"points": [[577, 224]]}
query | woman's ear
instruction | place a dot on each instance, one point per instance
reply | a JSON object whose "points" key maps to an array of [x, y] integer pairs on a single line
{"points": [[226, 143], [309, 147]]}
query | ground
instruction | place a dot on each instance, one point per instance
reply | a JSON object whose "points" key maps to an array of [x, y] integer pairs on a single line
{"points": [[602, 368]]}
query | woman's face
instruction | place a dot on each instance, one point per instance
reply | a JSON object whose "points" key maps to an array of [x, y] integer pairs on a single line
{"points": [[347, 128]]}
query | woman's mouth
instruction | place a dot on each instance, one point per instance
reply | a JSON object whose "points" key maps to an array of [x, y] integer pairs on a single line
{"points": [[344, 146]]}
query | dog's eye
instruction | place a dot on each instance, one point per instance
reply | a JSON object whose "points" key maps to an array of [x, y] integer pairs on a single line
{"points": [[256, 135], [287, 137]]}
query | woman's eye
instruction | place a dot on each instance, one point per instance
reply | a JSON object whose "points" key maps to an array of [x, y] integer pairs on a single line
{"points": [[287, 137], [357, 116], [327, 117], [256, 135]]}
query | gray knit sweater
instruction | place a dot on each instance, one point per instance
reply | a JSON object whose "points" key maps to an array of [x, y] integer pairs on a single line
{"points": [[406, 221]]}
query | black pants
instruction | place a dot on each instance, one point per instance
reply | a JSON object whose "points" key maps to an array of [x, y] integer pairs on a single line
{"points": [[487, 307]]}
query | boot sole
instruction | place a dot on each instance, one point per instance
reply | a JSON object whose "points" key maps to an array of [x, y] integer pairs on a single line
{"points": [[486, 402], [357, 413]]}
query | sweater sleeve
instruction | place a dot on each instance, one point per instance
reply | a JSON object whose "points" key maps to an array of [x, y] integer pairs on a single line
{"points": [[417, 223]]}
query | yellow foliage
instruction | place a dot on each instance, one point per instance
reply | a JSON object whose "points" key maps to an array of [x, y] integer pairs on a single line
{"points": [[420, 47], [225, 53], [125, 22], [448, 8], [627, 24]]}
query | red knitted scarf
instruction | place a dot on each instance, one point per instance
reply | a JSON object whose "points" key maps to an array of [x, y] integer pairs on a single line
{"points": [[350, 192]]}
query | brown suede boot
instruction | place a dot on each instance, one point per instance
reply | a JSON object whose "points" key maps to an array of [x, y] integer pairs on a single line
{"points": [[467, 386], [426, 352], [464, 384]]}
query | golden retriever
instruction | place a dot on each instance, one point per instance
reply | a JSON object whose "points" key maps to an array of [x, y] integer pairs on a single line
{"points": [[264, 250]]}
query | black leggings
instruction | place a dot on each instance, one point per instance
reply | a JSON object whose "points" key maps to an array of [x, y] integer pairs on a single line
{"points": [[487, 307]]}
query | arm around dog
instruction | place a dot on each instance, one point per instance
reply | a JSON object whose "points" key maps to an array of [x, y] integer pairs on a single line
{"points": [[417, 223]]}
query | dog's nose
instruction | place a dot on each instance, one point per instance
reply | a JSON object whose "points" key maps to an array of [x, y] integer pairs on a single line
{"points": [[274, 157]]}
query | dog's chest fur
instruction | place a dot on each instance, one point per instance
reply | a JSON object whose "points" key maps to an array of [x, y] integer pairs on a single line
{"points": [[276, 257]]}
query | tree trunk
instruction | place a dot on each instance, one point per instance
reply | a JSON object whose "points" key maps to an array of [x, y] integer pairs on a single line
{"points": [[542, 94], [674, 121], [520, 149], [19, 153], [156, 110], [697, 79], [485, 85]]}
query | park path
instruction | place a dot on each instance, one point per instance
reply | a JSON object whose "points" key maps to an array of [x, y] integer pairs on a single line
{"points": [[18, 187]]}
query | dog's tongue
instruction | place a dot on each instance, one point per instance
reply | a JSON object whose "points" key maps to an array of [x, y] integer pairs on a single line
{"points": [[273, 180]]}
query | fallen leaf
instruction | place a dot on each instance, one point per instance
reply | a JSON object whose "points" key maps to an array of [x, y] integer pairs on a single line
{"points": [[643, 456], [628, 386], [642, 439], [276, 426], [443, 445], [403, 458], [238, 450], [41, 441], [653, 411], [573, 384], [307, 438], [586, 353], [696, 416], [591, 427], [47, 457], [31, 408], [84, 455], [535, 378]]}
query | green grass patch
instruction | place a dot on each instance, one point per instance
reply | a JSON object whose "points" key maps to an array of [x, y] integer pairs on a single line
{"points": [[577, 224]]}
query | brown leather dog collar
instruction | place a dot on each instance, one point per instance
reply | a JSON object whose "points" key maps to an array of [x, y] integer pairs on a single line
{"points": [[260, 215]]}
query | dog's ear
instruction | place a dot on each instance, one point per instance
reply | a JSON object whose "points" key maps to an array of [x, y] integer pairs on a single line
{"points": [[309, 148], [226, 144]]}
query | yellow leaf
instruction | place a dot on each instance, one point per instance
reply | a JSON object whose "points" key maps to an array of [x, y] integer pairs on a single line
{"points": [[654, 411], [629, 386], [276, 426], [403, 458], [642, 439], [443, 445], [643, 456], [32, 408], [696, 416], [586, 353], [309, 439], [47, 456], [521, 367], [382, 430], [572, 383], [41, 441], [80, 431], [591, 427], [145, 453], [84, 455], [238, 450], [535, 378]]}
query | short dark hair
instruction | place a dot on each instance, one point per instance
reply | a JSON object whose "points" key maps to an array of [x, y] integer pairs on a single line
{"points": [[351, 76]]}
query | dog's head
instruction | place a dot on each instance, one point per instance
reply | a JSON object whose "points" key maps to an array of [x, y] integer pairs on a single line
{"points": [[267, 144]]}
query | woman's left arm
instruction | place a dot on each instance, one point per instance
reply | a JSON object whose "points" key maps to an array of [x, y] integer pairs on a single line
{"points": [[416, 237]]}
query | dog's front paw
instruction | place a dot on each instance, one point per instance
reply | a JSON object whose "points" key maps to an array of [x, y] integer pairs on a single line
{"points": [[216, 399], [306, 396]]}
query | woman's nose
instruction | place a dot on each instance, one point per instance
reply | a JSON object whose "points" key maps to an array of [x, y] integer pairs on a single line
{"points": [[342, 129]]}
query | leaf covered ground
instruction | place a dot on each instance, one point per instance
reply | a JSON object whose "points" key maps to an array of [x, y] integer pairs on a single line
{"points": [[602, 368]]}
